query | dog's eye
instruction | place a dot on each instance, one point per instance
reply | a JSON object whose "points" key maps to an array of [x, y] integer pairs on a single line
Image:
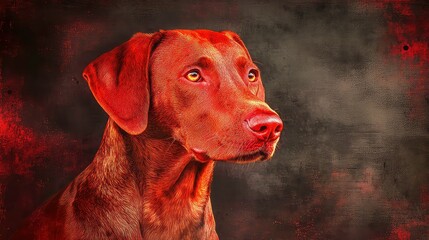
{"points": [[193, 76], [252, 75]]}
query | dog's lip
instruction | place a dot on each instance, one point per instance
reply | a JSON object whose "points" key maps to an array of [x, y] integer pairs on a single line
{"points": [[250, 157], [259, 154]]}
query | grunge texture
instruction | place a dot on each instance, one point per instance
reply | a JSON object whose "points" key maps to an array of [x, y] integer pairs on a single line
{"points": [[350, 79]]}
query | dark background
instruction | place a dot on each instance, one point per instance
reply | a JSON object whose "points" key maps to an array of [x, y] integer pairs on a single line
{"points": [[349, 78]]}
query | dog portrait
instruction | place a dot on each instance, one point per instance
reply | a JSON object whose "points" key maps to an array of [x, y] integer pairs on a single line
{"points": [[214, 120], [151, 177]]}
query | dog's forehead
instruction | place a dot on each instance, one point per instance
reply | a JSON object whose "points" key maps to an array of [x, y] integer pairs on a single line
{"points": [[201, 35], [202, 42]]}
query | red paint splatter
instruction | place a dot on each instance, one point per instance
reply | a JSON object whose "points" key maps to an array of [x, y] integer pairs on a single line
{"points": [[404, 231], [21, 147], [403, 226], [408, 34], [24, 152], [400, 234]]}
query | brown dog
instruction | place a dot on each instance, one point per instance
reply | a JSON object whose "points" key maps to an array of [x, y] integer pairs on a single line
{"points": [[178, 101]]}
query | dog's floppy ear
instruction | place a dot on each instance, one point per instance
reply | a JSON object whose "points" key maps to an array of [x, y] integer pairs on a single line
{"points": [[260, 92], [119, 80]]}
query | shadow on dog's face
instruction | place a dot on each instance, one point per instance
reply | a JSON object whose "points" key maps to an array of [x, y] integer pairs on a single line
{"points": [[204, 88]]}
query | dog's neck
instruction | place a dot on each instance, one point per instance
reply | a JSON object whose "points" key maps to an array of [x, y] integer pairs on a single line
{"points": [[171, 185]]}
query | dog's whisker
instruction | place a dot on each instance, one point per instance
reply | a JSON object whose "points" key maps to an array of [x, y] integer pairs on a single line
{"points": [[169, 146]]}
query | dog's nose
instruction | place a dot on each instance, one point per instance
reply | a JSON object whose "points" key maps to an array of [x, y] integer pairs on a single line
{"points": [[266, 127]]}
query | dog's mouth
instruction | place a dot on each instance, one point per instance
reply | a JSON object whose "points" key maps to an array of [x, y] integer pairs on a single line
{"points": [[259, 155]]}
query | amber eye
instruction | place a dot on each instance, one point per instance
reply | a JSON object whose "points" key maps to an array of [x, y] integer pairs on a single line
{"points": [[252, 75], [193, 76]]}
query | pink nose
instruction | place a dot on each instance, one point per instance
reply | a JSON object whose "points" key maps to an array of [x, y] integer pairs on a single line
{"points": [[266, 127]]}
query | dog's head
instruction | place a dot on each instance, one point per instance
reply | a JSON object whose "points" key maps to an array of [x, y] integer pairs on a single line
{"points": [[200, 87]]}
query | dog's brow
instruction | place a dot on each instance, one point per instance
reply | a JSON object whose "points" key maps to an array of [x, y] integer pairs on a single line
{"points": [[204, 62], [243, 62]]}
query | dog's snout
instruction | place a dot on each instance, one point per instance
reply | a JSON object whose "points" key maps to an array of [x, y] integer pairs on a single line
{"points": [[265, 127]]}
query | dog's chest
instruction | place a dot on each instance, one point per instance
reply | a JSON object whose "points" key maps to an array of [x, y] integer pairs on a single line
{"points": [[181, 218]]}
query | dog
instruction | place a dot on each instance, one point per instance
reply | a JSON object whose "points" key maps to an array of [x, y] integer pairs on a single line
{"points": [[178, 101]]}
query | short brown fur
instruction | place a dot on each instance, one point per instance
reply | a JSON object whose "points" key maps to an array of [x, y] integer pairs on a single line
{"points": [[151, 176]]}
